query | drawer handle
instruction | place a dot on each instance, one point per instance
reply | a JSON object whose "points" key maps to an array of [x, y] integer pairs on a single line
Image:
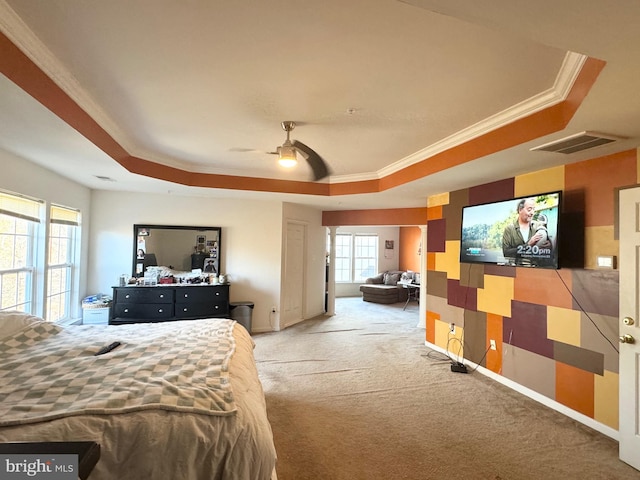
{"points": [[159, 310], [126, 310], [217, 307], [127, 296], [184, 309], [217, 293], [161, 295], [186, 295]]}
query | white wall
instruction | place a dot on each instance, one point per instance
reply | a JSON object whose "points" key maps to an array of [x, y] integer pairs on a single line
{"points": [[21, 176], [250, 246], [384, 263]]}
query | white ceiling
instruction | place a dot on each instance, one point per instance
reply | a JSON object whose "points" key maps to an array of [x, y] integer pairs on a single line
{"points": [[374, 85]]}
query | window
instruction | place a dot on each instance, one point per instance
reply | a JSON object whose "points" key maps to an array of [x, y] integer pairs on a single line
{"points": [[343, 258], [365, 258], [61, 262], [356, 257], [38, 272], [19, 222]]}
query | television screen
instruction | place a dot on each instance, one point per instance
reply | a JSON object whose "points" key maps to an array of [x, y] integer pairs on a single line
{"points": [[520, 232]]}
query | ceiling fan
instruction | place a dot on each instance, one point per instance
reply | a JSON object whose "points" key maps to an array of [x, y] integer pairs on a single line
{"points": [[287, 154]]}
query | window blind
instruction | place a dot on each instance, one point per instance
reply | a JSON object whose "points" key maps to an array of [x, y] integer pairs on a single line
{"points": [[20, 207], [64, 215]]}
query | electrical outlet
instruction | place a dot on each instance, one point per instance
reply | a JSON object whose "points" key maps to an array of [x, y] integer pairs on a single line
{"points": [[492, 342], [452, 327], [273, 309]]}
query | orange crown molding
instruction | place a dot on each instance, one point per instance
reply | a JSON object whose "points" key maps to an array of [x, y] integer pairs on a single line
{"points": [[27, 75]]}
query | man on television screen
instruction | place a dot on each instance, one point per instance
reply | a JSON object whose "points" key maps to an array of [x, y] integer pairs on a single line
{"points": [[522, 235]]}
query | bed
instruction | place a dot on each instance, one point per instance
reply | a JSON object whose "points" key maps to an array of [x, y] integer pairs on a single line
{"points": [[178, 400]]}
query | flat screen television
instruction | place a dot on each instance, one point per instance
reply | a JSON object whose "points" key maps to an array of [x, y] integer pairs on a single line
{"points": [[520, 232]]}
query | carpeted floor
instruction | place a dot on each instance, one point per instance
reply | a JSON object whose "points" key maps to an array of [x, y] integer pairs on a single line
{"points": [[356, 396]]}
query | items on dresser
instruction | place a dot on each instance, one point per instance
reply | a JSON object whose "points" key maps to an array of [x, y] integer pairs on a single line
{"points": [[160, 303]]}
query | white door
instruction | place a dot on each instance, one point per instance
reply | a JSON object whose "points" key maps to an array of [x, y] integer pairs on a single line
{"points": [[293, 293], [629, 424]]}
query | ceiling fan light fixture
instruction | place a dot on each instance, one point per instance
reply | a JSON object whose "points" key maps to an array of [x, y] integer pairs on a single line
{"points": [[288, 152], [287, 156]]}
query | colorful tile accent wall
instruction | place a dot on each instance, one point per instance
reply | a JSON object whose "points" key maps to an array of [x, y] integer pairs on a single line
{"points": [[555, 330]]}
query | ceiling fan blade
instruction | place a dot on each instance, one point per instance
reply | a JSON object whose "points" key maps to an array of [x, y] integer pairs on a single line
{"points": [[318, 165]]}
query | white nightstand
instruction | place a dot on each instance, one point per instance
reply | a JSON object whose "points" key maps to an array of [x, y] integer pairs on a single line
{"points": [[95, 316]]}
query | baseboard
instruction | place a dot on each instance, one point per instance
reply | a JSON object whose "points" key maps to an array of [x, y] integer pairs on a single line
{"points": [[532, 394]]}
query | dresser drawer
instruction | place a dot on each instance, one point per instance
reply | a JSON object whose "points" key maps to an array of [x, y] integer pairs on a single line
{"points": [[144, 304], [143, 310], [202, 294], [144, 295], [202, 309]]}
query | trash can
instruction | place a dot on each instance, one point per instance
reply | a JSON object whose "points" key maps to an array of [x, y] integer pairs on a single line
{"points": [[241, 312]]}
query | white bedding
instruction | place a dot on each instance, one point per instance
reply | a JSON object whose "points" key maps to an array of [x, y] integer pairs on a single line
{"points": [[162, 444]]}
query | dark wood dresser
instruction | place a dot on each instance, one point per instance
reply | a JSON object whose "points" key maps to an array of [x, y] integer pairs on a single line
{"points": [[161, 303]]}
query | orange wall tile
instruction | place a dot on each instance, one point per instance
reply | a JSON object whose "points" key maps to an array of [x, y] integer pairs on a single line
{"points": [[597, 180], [431, 261], [575, 388], [494, 332], [434, 213], [431, 326], [543, 287]]}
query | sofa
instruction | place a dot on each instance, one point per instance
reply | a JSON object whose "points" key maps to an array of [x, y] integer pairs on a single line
{"points": [[384, 288]]}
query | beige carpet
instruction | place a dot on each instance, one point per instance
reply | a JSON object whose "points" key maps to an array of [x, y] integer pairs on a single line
{"points": [[356, 396]]}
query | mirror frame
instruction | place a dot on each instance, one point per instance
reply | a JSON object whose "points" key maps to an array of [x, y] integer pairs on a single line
{"points": [[195, 229]]}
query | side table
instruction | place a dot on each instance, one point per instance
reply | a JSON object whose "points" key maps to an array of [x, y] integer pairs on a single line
{"points": [[413, 293]]}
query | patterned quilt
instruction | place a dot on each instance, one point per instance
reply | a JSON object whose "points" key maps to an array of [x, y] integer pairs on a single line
{"points": [[47, 371]]}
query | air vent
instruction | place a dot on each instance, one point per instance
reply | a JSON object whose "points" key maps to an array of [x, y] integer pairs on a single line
{"points": [[577, 143]]}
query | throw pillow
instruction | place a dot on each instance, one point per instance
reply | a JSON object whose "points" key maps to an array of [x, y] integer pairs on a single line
{"points": [[391, 278], [407, 277]]}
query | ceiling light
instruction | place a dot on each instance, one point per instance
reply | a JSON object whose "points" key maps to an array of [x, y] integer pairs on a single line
{"points": [[287, 155]]}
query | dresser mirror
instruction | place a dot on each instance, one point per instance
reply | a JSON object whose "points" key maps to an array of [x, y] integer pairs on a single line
{"points": [[177, 247]]}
